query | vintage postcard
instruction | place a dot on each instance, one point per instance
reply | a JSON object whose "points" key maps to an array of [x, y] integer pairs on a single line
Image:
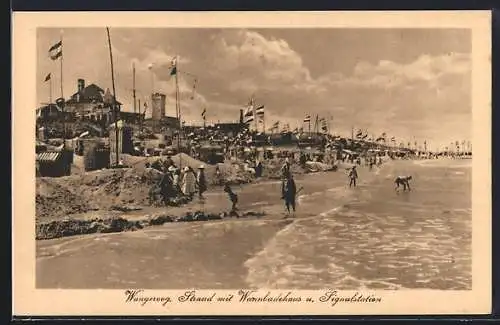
{"points": [[251, 163]]}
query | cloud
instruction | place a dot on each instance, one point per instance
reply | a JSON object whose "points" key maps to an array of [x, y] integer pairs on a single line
{"points": [[262, 63], [425, 69]]}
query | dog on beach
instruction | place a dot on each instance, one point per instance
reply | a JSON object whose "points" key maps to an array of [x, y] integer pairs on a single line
{"points": [[403, 181]]}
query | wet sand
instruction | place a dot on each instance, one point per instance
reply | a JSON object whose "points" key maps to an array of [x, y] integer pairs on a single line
{"points": [[348, 238]]}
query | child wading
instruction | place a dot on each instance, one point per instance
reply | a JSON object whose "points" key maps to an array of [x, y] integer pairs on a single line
{"points": [[234, 200], [353, 176]]}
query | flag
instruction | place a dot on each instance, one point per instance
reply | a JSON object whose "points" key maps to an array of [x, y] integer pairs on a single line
{"points": [[307, 118], [173, 66], [203, 114], [359, 133], [47, 78], [248, 117], [259, 110], [393, 139], [55, 51]]}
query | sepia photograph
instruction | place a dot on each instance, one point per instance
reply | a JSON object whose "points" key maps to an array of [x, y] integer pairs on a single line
{"points": [[254, 159]]}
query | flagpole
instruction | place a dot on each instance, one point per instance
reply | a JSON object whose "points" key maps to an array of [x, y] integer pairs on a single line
{"points": [[62, 92], [115, 112], [62, 56], [254, 115], [178, 109], [133, 81], [264, 123], [50, 90], [140, 115]]}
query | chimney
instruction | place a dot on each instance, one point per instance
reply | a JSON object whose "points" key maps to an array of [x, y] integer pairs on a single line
{"points": [[81, 85], [241, 116]]}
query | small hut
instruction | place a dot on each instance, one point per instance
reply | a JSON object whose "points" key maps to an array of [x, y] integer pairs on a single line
{"points": [[54, 163]]}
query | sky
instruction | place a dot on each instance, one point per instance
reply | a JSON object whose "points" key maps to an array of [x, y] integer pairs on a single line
{"points": [[413, 84]]}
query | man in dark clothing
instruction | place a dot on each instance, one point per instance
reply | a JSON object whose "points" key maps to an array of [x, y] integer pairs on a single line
{"points": [[258, 170], [302, 159], [289, 193], [372, 162], [167, 189], [353, 176], [201, 181]]}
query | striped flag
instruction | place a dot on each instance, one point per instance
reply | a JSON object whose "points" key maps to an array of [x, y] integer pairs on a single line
{"points": [[359, 133], [47, 78], [307, 118], [55, 51], [393, 139], [324, 124], [203, 114], [259, 110], [248, 117]]}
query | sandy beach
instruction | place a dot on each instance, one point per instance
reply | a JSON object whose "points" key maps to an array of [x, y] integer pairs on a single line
{"points": [[350, 238]]}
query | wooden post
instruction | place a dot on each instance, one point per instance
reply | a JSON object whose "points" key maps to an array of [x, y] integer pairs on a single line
{"points": [[114, 106]]}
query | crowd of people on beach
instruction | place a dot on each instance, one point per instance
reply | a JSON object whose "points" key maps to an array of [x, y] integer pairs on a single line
{"points": [[176, 183]]}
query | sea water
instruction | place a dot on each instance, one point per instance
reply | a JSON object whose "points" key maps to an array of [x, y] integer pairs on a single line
{"points": [[378, 238]]}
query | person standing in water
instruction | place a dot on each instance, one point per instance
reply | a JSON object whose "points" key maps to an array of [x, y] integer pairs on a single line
{"points": [[285, 173], [353, 176], [289, 193]]}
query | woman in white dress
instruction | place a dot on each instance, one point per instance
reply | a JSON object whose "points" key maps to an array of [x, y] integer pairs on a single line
{"points": [[188, 182]]}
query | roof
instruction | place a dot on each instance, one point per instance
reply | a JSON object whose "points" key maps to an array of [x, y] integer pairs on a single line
{"points": [[89, 94], [48, 156]]}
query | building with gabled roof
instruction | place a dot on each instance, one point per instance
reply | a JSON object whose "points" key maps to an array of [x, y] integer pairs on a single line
{"points": [[88, 102]]}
